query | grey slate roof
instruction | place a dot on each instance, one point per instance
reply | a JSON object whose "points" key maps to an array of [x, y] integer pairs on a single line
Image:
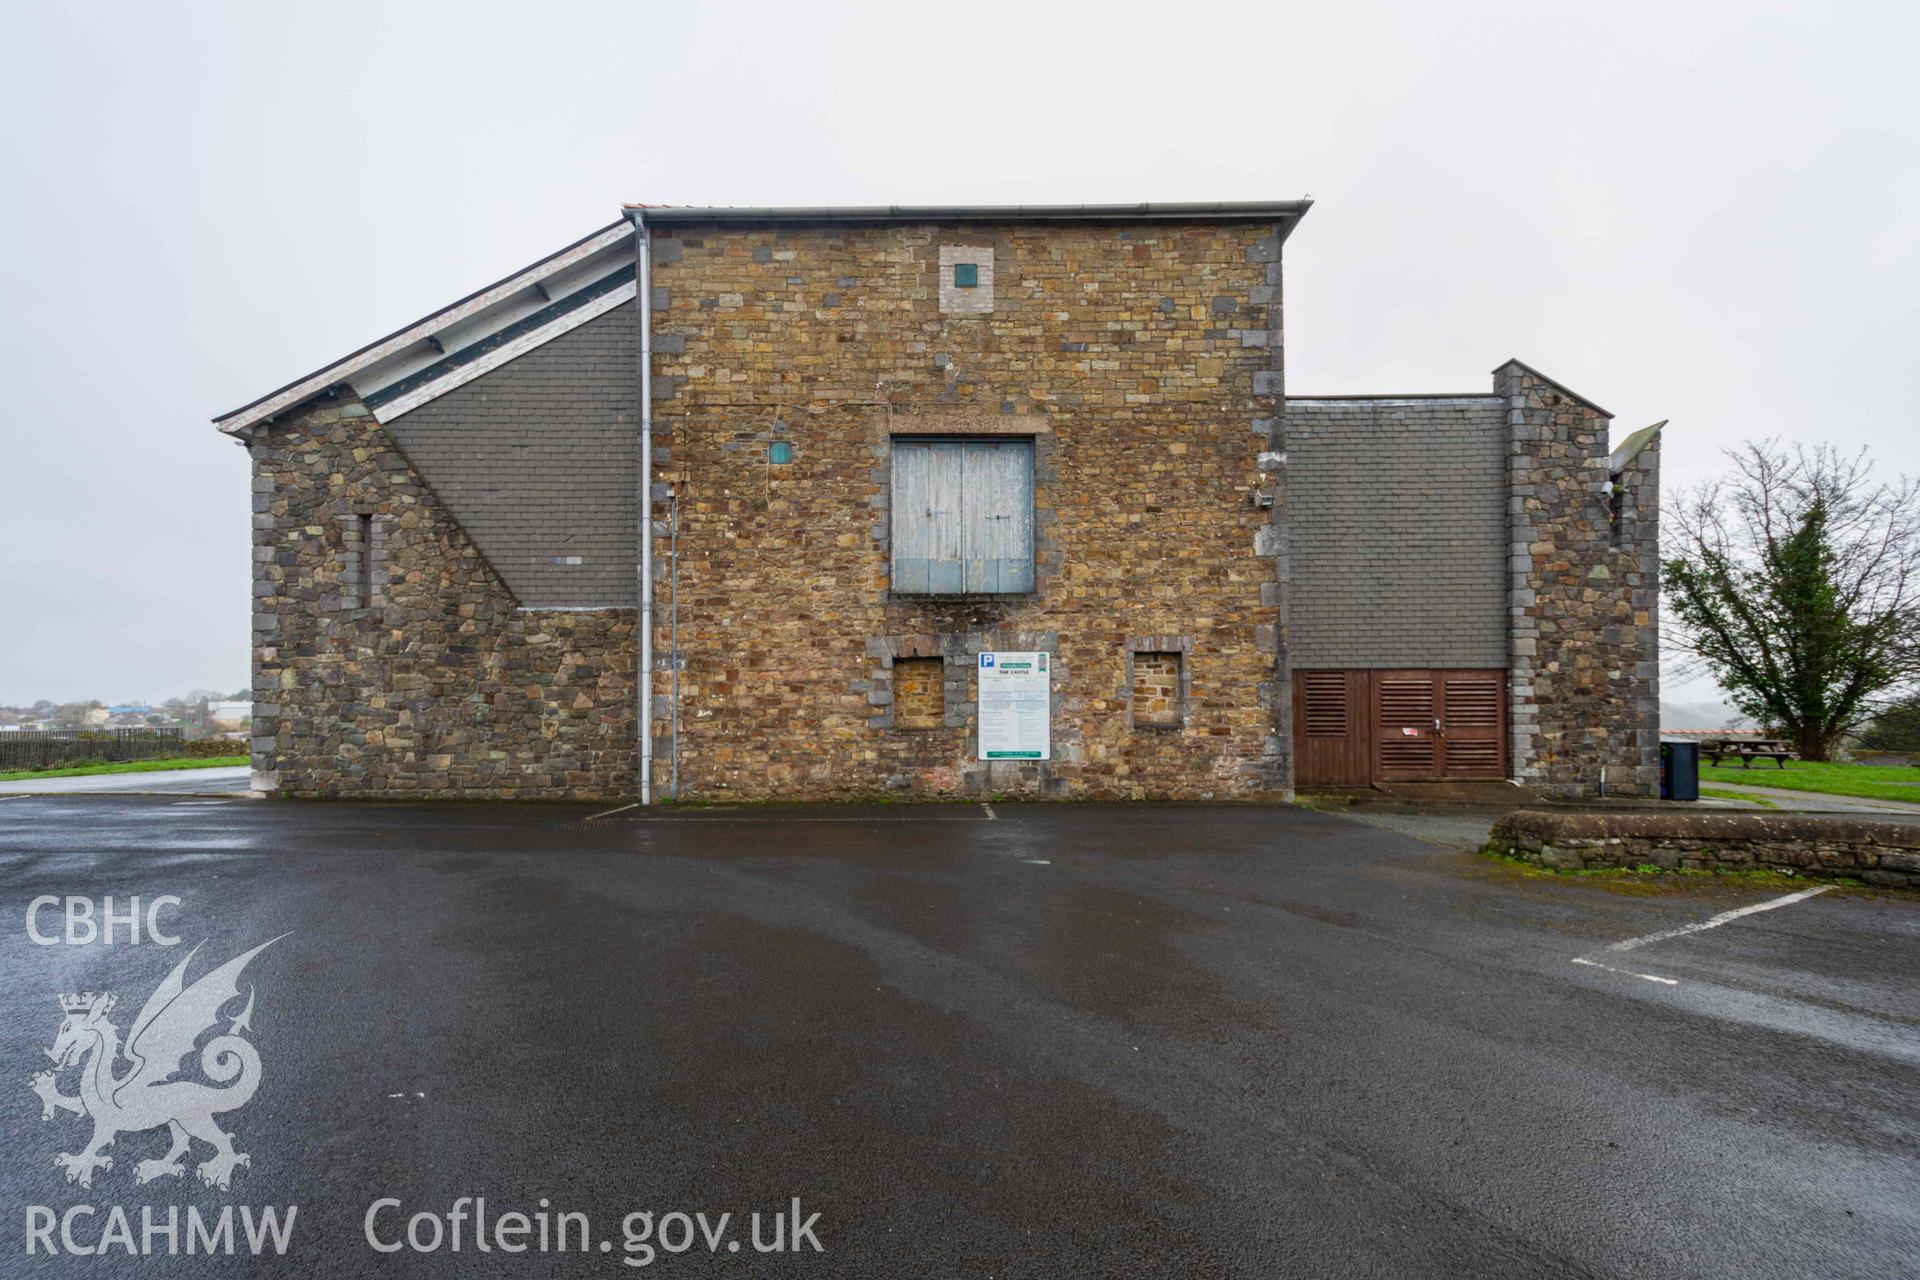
{"points": [[537, 460], [1398, 531]]}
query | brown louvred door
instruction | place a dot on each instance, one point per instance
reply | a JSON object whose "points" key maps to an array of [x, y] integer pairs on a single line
{"points": [[1332, 724], [1440, 725], [1473, 724], [1351, 728], [1406, 726]]}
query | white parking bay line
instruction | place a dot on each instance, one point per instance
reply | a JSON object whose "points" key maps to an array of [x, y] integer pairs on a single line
{"points": [[1650, 977], [988, 810], [609, 813], [1725, 917]]}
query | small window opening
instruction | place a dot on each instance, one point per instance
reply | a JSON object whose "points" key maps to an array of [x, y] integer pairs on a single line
{"points": [[1156, 689], [780, 453], [919, 693], [966, 275], [366, 562], [1617, 507]]}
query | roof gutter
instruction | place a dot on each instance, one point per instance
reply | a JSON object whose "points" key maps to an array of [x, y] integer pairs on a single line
{"points": [[1288, 211]]}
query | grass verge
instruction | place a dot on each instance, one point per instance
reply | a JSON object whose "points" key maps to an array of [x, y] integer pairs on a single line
{"points": [[1647, 878], [124, 766], [1869, 781], [1717, 794]]}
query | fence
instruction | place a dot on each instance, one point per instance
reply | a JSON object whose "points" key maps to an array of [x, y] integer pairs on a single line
{"points": [[46, 748]]}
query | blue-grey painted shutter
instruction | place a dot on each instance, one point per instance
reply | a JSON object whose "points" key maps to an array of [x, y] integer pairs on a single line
{"points": [[977, 508], [946, 525], [1016, 567], [999, 505], [962, 516], [927, 519], [910, 537]]}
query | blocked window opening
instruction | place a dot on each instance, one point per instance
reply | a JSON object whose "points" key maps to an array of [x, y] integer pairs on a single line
{"points": [[366, 560], [362, 561], [919, 693], [1156, 689], [966, 280], [962, 517]]}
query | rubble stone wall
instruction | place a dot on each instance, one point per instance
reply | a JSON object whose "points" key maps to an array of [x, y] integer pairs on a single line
{"points": [[1143, 363], [429, 681], [1880, 853], [1584, 691], [1141, 360]]}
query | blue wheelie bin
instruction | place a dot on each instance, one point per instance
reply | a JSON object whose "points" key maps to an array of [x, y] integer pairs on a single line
{"points": [[1679, 770]]}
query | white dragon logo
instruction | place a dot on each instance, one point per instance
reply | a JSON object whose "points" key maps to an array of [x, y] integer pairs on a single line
{"points": [[147, 1096]]}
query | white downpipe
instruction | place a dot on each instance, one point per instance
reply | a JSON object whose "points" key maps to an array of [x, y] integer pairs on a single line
{"points": [[644, 257]]}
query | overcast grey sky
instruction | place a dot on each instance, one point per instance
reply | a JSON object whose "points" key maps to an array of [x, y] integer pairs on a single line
{"points": [[1701, 212]]}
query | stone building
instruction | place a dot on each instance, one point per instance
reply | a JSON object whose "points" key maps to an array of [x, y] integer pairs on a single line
{"points": [[896, 461]]}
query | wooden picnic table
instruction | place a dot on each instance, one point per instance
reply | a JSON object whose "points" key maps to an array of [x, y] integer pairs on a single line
{"points": [[1747, 750]]}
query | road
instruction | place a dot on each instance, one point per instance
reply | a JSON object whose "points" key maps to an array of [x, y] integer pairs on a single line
{"points": [[1058, 1040]]}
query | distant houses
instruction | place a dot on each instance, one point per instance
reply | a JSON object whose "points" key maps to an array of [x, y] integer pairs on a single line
{"points": [[192, 717], [231, 716]]}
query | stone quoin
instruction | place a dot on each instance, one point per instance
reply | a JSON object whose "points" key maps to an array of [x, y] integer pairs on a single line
{"points": [[886, 441]]}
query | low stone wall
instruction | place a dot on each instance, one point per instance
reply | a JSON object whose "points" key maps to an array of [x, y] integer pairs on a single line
{"points": [[1883, 853]]}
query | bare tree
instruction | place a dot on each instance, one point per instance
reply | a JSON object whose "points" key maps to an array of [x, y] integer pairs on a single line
{"points": [[1795, 582], [73, 715]]}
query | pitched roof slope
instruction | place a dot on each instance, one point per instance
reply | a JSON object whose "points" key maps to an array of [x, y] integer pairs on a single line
{"points": [[484, 330], [470, 337]]}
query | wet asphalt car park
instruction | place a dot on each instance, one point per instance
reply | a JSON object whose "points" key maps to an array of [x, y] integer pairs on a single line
{"points": [[1047, 1040]]}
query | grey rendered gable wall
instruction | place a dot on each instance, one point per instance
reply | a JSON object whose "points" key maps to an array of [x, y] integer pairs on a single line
{"points": [[1399, 518], [536, 461]]}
